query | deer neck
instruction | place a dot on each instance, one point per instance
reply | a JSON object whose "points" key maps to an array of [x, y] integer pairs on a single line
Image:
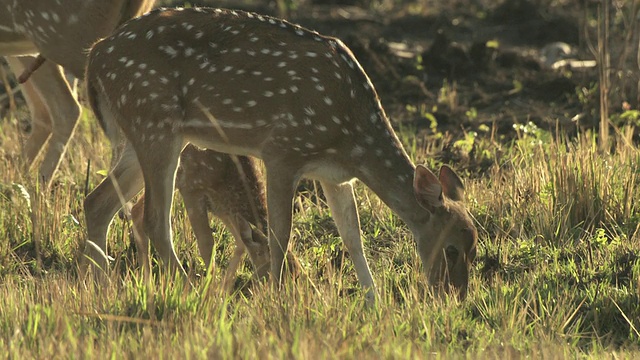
{"points": [[391, 178]]}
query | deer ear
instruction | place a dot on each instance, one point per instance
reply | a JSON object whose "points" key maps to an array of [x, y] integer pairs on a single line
{"points": [[452, 185], [427, 188]]}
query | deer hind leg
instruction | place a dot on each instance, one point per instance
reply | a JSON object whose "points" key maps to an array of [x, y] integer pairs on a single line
{"points": [[40, 124], [159, 161], [140, 237], [198, 217], [40, 116], [342, 203], [124, 182], [56, 112], [281, 184]]}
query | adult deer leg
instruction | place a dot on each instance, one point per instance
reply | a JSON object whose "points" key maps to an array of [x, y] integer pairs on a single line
{"points": [[125, 180], [196, 208], [55, 113], [140, 237], [159, 168], [281, 184], [342, 203], [40, 116]]}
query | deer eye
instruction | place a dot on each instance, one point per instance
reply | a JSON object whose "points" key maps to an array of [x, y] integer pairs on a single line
{"points": [[452, 253]]}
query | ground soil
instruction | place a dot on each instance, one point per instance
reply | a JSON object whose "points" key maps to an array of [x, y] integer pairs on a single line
{"points": [[486, 55], [466, 62]]}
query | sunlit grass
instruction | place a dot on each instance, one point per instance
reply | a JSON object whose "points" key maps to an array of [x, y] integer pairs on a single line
{"points": [[556, 276]]}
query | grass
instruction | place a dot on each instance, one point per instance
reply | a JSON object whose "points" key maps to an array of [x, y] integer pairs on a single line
{"points": [[557, 273]]}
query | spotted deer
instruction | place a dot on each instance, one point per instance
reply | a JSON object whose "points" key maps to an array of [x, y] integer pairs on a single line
{"points": [[234, 192], [61, 32], [248, 84]]}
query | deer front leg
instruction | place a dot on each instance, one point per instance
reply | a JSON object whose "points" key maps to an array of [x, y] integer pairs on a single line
{"points": [[197, 211], [124, 181], [238, 251], [249, 240], [159, 162], [342, 203]]}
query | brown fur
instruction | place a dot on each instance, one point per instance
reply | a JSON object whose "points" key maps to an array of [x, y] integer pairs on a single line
{"points": [[51, 100]]}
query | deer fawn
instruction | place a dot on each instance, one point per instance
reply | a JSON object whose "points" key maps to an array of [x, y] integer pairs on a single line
{"points": [[233, 191], [249, 84], [62, 32]]}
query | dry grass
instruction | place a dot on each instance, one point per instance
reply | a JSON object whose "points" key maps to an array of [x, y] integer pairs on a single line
{"points": [[557, 273]]}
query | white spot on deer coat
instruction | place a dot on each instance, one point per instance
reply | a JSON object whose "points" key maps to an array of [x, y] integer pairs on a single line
{"points": [[357, 151], [169, 50]]}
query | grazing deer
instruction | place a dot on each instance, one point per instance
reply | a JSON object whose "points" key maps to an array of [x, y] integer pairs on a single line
{"points": [[249, 84], [231, 190], [61, 32]]}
